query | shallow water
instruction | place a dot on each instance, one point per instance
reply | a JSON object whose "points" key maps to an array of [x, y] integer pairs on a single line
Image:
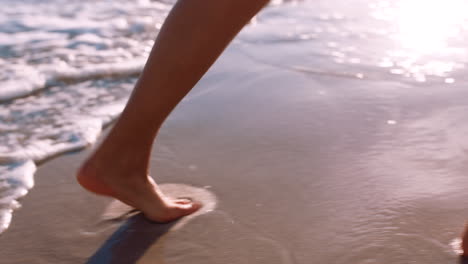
{"points": [[371, 94], [71, 67]]}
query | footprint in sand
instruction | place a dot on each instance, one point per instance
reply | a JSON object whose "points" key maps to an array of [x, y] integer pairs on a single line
{"points": [[117, 212], [207, 236]]}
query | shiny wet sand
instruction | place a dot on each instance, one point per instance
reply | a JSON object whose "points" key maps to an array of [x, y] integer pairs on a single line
{"points": [[304, 168]]}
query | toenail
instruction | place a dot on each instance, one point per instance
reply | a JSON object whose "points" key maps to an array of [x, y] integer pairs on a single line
{"points": [[185, 198]]}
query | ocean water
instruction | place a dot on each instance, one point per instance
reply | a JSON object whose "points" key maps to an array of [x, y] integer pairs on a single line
{"points": [[66, 71], [67, 68]]}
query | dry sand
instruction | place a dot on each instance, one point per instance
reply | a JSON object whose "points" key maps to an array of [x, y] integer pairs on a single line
{"points": [[296, 168]]}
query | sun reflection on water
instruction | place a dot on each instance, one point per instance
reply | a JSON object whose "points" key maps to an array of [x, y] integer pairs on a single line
{"points": [[427, 36], [427, 26]]}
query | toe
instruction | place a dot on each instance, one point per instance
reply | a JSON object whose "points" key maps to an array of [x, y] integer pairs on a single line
{"points": [[183, 201], [174, 211], [186, 208]]}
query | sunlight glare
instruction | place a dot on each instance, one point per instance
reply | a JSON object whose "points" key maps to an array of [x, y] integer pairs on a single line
{"points": [[426, 26]]}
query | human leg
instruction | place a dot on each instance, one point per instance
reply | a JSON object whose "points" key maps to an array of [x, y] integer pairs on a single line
{"points": [[193, 36], [464, 244]]}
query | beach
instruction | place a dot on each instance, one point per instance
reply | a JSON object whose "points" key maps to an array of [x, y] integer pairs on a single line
{"points": [[322, 176], [302, 150]]}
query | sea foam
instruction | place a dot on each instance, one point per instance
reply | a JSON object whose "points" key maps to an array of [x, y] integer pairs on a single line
{"points": [[67, 69]]}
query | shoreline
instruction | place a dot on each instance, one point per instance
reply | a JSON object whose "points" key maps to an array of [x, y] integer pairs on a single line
{"points": [[301, 168]]}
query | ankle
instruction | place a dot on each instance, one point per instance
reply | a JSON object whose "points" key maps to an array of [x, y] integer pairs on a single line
{"points": [[116, 163]]}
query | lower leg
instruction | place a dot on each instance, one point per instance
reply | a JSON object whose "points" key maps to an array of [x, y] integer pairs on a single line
{"points": [[194, 35], [464, 244]]}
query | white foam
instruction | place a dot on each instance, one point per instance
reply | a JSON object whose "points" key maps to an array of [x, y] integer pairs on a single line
{"points": [[80, 133], [21, 38], [64, 119], [57, 40], [456, 247], [16, 179], [124, 68], [19, 80]]}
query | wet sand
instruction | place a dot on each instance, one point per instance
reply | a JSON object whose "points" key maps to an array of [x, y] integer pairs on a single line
{"points": [[304, 168]]}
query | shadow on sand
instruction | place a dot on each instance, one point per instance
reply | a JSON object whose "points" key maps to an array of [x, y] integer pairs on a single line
{"points": [[463, 260], [130, 242]]}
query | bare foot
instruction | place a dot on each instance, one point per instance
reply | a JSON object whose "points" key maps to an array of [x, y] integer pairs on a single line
{"points": [[136, 190], [464, 244]]}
